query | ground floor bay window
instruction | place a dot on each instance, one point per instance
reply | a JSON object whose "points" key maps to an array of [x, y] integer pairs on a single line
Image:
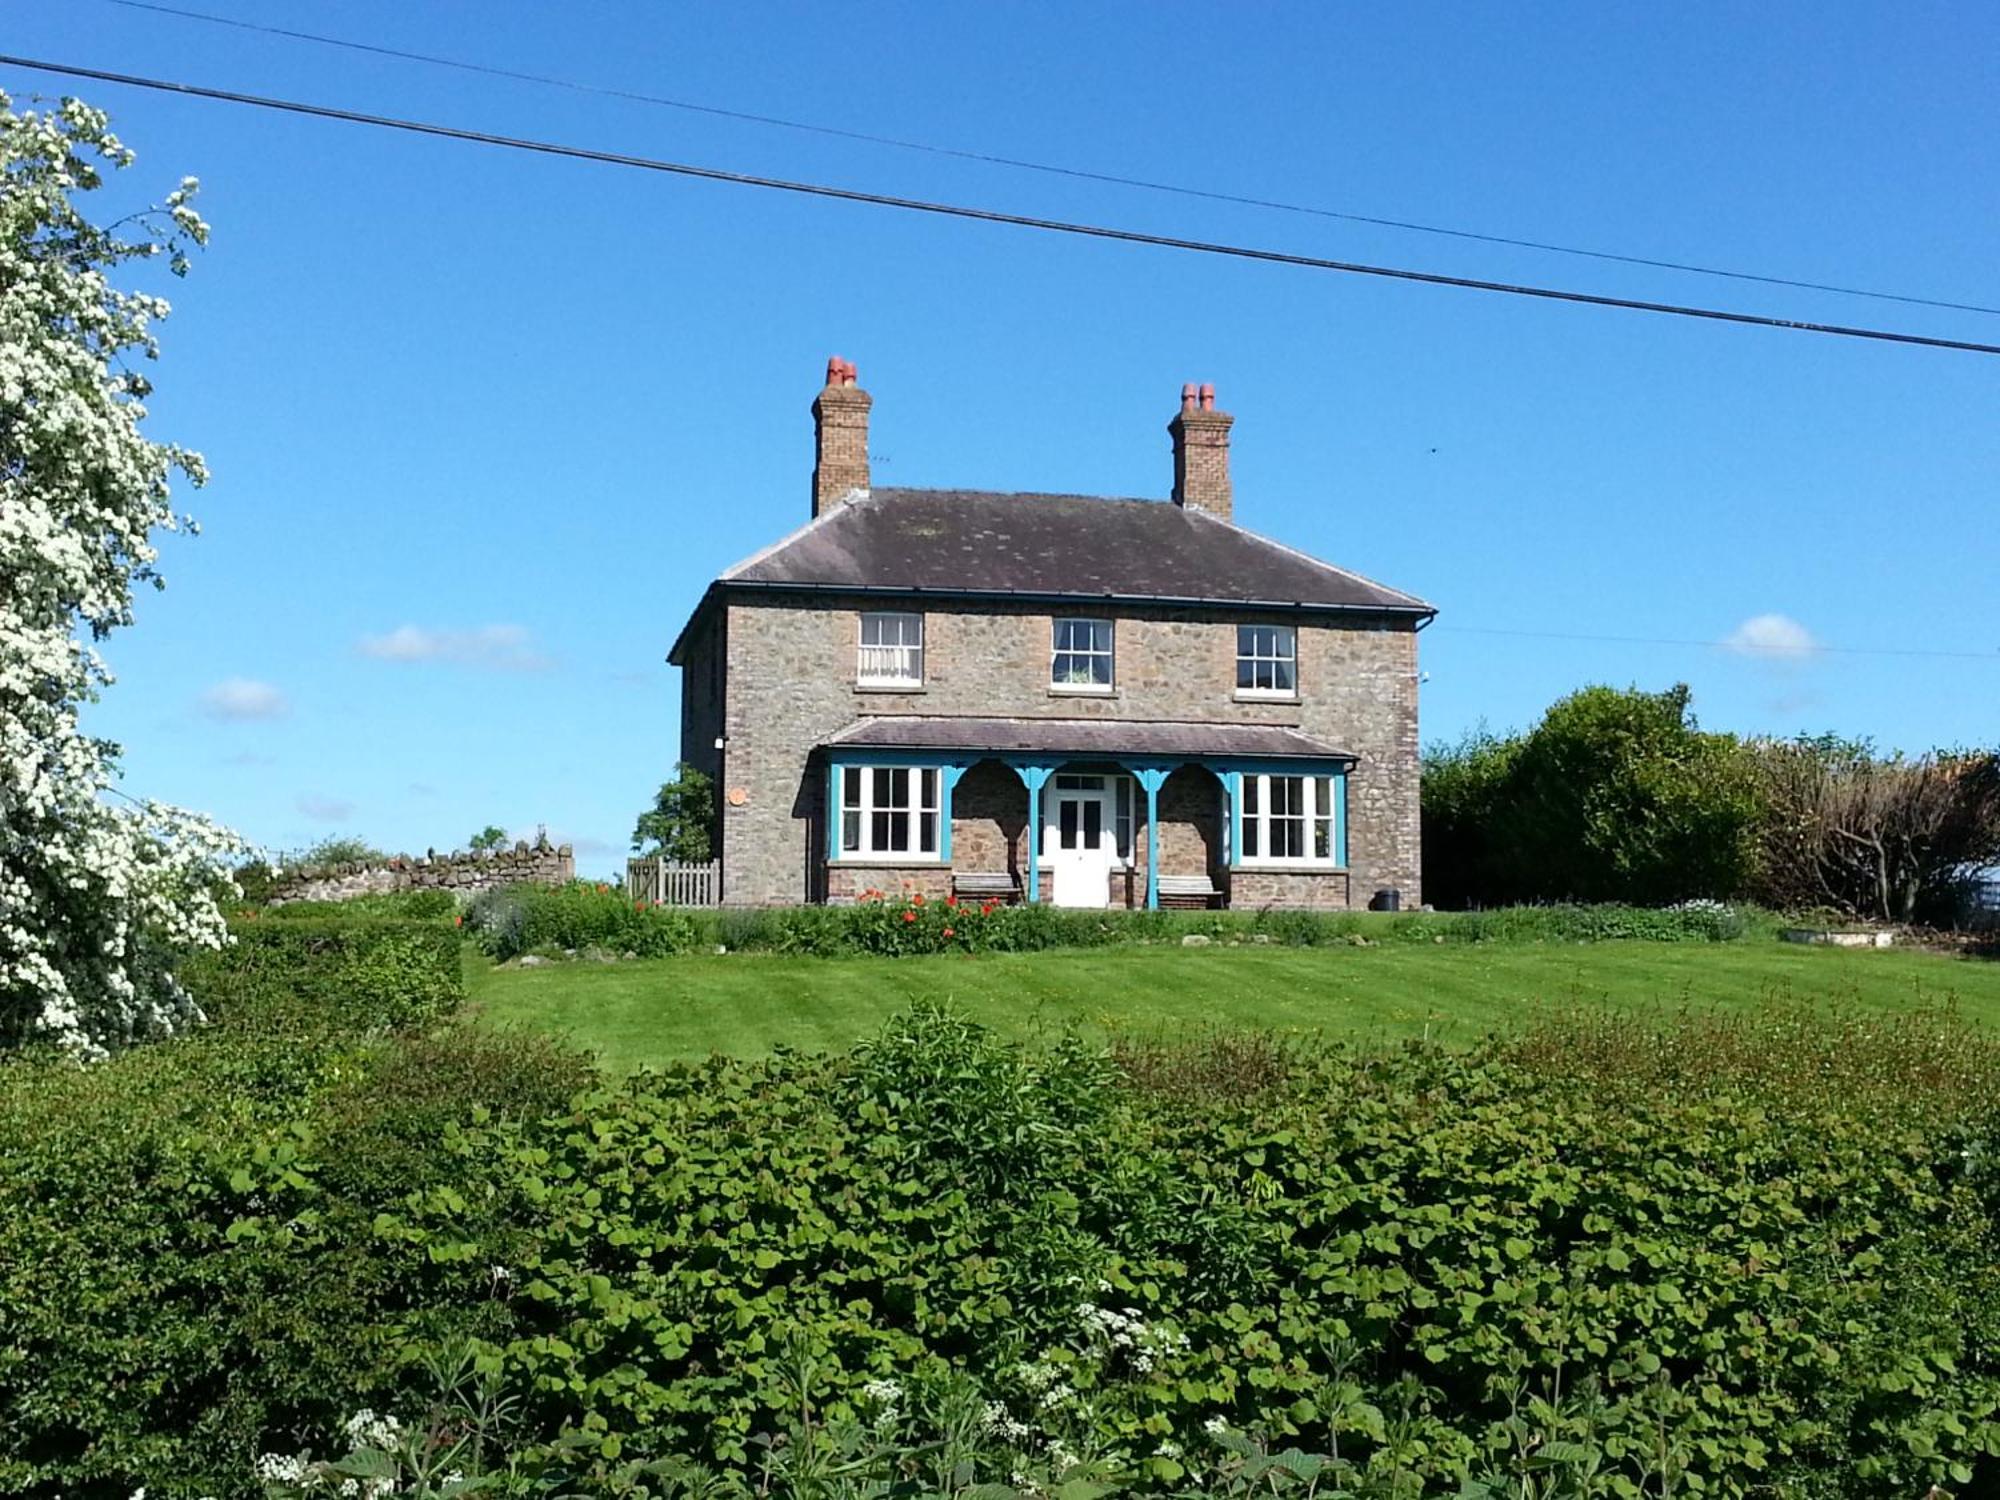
{"points": [[888, 812], [1291, 820]]}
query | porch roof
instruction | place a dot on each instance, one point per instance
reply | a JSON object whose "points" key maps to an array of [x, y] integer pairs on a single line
{"points": [[1087, 739]]}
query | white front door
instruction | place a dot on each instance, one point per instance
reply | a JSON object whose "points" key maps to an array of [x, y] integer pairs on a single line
{"points": [[1079, 840]]}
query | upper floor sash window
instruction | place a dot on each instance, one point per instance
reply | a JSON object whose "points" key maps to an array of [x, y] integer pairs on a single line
{"points": [[1080, 658], [892, 651], [1267, 661]]}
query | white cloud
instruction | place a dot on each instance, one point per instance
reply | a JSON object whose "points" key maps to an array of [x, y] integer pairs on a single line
{"points": [[249, 758], [497, 648], [237, 700], [1772, 638], [322, 809]]}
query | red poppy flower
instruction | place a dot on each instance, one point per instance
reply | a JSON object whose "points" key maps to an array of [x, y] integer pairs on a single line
{"points": [[986, 909], [947, 932], [909, 916], [918, 899], [952, 902], [458, 921]]}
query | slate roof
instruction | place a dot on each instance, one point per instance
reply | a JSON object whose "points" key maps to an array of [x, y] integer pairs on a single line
{"points": [[1085, 739], [987, 542]]}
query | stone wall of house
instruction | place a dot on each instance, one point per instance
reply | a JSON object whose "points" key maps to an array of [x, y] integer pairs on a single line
{"points": [[790, 685], [847, 884], [704, 658], [540, 863], [1257, 890]]}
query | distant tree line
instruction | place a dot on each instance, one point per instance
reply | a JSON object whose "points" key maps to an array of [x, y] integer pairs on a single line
{"points": [[1619, 795]]}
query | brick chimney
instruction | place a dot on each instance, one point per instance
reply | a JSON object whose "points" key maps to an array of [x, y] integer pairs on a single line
{"points": [[1201, 454], [840, 439]]}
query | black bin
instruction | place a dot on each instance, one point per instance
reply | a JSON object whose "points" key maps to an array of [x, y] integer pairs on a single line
{"points": [[1387, 899]]}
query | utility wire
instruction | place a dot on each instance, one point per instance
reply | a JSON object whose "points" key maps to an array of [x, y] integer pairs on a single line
{"points": [[985, 215], [1080, 173], [1767, 652]]}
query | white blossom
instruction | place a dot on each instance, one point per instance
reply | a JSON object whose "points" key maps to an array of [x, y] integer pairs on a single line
{"points": [[94, 898], [280, 1468], [365, 1429]]}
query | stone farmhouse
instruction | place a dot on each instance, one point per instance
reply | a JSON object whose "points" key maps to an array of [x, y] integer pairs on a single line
{"points": [[1092, 702]]}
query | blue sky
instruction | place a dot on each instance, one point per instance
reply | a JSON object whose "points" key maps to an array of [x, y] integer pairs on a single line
{"points": [[483, 424]]}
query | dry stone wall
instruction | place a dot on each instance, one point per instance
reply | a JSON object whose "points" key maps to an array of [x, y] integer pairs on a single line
{"points": [[540, 863]]}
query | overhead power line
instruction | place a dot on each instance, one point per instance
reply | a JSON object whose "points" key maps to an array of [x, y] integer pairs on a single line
{"points": [[1080, 173], [1768, 653], [985, 215]]}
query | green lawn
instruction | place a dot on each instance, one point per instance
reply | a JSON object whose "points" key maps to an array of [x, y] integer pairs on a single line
{"points": [[655, 1011]]}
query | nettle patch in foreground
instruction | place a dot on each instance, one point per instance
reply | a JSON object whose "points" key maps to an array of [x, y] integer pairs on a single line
{"points": [[1431, 1266], [1738, 1257]]}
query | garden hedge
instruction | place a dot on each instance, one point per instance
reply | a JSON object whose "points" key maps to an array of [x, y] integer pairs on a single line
{"points": [[1766, 1268], [523, 919], [329, 969]]}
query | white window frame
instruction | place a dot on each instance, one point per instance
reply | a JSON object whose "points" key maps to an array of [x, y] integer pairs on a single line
{"points": [[890, 663], [1281, 660], [1093, 652], [1317, 821], [868, 820]]}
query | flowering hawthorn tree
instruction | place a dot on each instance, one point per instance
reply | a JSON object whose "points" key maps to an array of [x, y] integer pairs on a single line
{"points": [[94, 898]]}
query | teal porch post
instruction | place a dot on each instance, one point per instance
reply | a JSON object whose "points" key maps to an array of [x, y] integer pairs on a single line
{"points": [[1034, 778], [833, 770], [947, 780], [1151, 778], [1232, 783]]}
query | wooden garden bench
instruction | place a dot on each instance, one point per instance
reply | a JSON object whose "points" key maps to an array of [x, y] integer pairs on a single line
{"points": [[973, 885], [1197, 892]]}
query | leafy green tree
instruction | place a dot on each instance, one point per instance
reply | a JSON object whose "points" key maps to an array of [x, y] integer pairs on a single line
{"points": [[681, 822], [1463, 783], [338, 849], [1618, 795], [492, 836]]}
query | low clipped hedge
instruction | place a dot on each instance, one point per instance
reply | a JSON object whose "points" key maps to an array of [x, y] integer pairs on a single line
{"points": [[329, 969], [525, 919]]}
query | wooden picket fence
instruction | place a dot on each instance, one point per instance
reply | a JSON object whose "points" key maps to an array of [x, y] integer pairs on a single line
{"points": [[665, 882]]}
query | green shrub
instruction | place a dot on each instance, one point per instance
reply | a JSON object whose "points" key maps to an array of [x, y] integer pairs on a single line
{"points": [[513, 920], [1616, 795], [424, 905], [1428, 1262], [1707, 1248], [189, 1269], [522, 919], [329, 971]]}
